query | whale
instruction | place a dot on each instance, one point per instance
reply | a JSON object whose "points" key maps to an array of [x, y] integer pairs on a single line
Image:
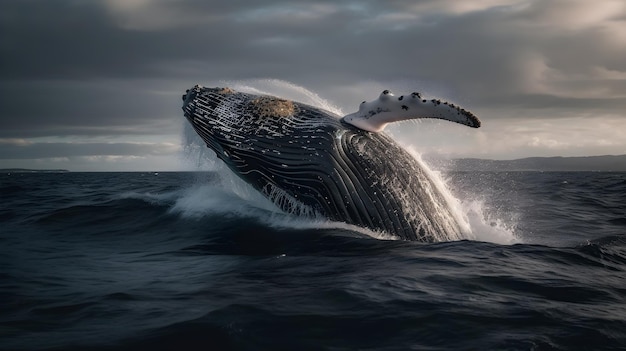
{"points": [[312, 162]]}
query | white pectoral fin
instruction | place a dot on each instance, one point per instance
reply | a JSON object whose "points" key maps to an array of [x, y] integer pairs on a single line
{"points": [[374, 116]]}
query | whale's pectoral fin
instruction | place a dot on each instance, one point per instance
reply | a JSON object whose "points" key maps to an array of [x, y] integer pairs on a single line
{"points": [[374, 115]]}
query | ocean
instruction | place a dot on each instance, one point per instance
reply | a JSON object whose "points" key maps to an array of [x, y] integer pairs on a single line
{"points": [[196, 261]]}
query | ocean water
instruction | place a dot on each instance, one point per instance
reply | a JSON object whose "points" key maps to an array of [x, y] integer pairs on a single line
{"points": [[196, 261]]}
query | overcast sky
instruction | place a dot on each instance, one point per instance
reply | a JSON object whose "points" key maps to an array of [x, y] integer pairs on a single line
{"points": [[96, 85]]}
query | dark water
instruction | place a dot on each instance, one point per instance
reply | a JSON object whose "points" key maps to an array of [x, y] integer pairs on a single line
{"points": [[179, 261]]}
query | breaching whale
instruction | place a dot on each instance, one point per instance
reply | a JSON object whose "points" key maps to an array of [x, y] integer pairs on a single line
{"points": [[312, 162]]}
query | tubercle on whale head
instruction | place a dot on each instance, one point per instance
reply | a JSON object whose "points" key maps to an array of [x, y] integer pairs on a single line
{"points": [[373, 116], [263, 106], [266, 106], [191, 93]]}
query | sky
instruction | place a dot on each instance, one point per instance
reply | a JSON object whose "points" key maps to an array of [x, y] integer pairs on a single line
{"points": [[96, 85]]}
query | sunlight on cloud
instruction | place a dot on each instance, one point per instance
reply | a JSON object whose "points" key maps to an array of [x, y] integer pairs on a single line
{"points": [[15, 141], [406, 15], [535, 73], [546, 143], [455, 7], [609, 74], [30, 149], [277, 40], [539, 77], [107, 163], [128, 5], [509, 138], [289, 14], [549, 137], [152, 15], [576, 15], [112, 158]]}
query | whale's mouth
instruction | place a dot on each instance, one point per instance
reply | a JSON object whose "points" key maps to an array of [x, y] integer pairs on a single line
{"points": [[199, 114], [190, 94], [199, 103]]}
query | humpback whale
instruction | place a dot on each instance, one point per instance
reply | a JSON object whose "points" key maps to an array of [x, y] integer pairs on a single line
{"points": [[311, 162]]}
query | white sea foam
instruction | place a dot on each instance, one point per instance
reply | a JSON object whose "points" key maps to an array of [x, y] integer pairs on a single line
{"points": [[487, 226], [195, 152], [149, 197], [230, 196]]}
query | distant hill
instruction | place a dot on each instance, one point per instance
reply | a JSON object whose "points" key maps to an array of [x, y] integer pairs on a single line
{"points": [[587, 163], [26, 170]]}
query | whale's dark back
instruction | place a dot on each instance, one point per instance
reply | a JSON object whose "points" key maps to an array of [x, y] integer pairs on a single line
{"points": [[308, 162]]}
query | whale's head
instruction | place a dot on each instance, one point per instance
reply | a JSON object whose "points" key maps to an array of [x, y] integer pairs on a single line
{"points": [[244, 128]]}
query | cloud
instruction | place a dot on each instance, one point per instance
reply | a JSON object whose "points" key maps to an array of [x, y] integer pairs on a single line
{"points": [[479, 47], [113, 67], [155, 15], [20, 149], [509, 139], [103, 107], [573, 15]]}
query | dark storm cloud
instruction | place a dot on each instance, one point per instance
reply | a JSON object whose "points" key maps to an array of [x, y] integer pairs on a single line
{"points": [[112, 67], [82, 40], [58, 108], [313, 43]]}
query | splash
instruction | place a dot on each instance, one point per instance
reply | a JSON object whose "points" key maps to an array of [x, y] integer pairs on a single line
{"points": [[440, 185], [474, 218], [487, 226], [195, 153], [199, 200], [233, 195]]}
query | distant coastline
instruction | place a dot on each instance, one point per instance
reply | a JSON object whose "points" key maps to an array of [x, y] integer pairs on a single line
{"points": [[27, 170], [607, 163]]}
